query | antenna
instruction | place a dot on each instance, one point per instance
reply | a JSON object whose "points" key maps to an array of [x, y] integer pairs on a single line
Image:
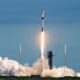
{"points": [[65, 60], [20, 52], [20, 49], [65, 57]]}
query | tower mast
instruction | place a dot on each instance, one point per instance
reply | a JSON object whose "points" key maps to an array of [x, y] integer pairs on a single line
{"points": [[20, 52], [65, 60]]}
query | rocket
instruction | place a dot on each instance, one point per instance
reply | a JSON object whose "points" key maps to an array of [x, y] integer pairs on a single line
{"points": [[42, 57], [42, 35], [42, 28]]}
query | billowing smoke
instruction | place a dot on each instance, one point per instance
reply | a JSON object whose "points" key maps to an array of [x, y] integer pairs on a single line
{"points": [[40, 65], [59, 72], [78, 74], [11, 67]]}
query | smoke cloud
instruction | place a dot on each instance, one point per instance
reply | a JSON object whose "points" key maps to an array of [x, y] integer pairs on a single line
{"points": [[40, 65], [59, 72], [11, 67]]}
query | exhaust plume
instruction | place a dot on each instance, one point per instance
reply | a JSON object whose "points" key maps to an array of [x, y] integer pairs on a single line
{"points": [[11, 67]]}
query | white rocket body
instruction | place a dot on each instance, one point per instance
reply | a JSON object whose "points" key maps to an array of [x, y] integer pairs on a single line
{"points": [[42, 28], [42, 36]]}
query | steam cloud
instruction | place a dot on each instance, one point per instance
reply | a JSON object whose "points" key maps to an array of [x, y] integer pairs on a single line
{"points": [[11, 67]]}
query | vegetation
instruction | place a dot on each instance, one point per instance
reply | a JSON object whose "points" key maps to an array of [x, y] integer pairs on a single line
{"points": [[36, 78]]}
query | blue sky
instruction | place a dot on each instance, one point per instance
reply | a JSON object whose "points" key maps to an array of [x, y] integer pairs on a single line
{"points": [[20, 22]]}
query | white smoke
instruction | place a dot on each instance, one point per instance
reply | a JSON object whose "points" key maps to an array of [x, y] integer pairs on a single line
{"points": [[8, 66], [40, 65], [78, 74], [59, 72], [11, 67]]}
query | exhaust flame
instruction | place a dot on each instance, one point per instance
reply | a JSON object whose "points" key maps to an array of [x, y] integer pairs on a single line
{"points": [[42, 44]]}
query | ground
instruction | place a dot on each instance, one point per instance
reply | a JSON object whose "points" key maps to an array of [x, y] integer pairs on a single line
{"points": [[36, 78]]}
